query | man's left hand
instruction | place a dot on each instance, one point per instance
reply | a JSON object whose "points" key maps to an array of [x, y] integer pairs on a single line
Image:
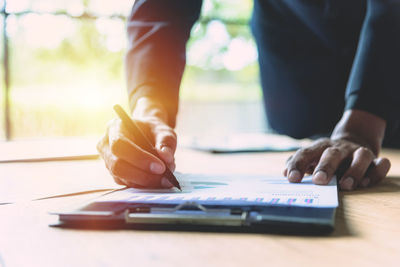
{"points": [[351, 153]]}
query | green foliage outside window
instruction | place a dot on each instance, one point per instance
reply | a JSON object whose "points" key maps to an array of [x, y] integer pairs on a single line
{"points": [[67, 72]]}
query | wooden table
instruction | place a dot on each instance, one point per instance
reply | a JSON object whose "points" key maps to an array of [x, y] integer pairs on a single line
{"points": [[367, 224]]}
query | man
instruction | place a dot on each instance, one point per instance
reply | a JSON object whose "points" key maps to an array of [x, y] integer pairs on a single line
{"points": [[328, 68]]}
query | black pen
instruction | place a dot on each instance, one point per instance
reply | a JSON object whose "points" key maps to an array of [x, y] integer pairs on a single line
{"points": [[144, 142]]}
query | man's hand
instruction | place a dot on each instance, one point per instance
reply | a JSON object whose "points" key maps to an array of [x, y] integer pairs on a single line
{"points": [[351, 152], [127, 162]]}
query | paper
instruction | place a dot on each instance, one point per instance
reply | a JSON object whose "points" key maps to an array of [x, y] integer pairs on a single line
{"points": [[237, 189], [245, 142]]}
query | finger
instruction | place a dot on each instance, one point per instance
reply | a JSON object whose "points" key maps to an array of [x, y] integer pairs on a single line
{"points": [[127, 174], [309, 170], [102, 144], [285, 171], [164, 183], [362, 159], [146, 129], [116, 135], [115, 126], [165, 142], [311, 167], [119, 180], [160, 135], [376, 172], [301, 161], [141, 180], [125, 149], [128, 183], [329, 162], [132, 175], [172, 167]]}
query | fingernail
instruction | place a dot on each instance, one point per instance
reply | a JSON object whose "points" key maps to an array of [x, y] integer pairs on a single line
{"points": [[347, 183], [320, 177], [156, 168], [165, 183], [365, 182], [168, 153], [294, 176]]}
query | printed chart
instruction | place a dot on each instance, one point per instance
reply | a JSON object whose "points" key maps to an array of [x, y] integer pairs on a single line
{"points": [[240, 189]]}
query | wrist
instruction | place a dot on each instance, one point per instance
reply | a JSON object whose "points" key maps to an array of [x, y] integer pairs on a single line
{"points": [[361, 127], [147, 107]]}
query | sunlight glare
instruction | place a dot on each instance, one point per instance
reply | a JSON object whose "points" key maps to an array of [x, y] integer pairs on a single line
{"points": [[215, 39], [46, 31], [241, 53], [114, 31], [18, 5]]}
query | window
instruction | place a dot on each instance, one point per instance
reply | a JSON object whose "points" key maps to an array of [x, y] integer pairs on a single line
{"points": [[66, 64]]}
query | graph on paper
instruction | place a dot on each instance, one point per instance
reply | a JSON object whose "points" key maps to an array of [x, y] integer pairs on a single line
{"points": [[234, 189]]}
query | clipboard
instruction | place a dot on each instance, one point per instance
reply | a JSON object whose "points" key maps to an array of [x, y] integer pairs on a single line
{"points": [[196, 210]]}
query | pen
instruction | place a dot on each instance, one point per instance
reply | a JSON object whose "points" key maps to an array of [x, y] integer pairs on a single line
{"points": [[144, 142]]}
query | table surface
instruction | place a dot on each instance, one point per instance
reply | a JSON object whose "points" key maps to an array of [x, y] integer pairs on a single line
{"points": [[367, 222]]}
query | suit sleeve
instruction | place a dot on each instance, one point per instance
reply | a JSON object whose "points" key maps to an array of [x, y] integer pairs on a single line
{"points": [[157, 34], [374, 83]]}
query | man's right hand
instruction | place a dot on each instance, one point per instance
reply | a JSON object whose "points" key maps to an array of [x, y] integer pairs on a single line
{"points": [[128, 163]]}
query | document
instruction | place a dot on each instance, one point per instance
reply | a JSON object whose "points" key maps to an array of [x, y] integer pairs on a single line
{"points": [[234, 189], [244, 142]]}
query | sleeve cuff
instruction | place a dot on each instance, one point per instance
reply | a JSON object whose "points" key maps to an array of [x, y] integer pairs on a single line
{"points": [[377, 107]]}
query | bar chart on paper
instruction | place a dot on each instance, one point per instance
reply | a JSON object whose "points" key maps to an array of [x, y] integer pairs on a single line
{"points": [[234, 189]]}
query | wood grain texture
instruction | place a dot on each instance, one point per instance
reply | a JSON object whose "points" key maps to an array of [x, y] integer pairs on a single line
{"points": [[367, 228]]}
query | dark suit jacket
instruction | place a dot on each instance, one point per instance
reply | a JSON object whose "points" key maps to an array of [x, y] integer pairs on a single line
{"points": [[316, 58]]}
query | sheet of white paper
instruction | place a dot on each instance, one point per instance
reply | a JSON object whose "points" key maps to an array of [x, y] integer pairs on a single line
{"points": [[238, 189], [243, 142]]}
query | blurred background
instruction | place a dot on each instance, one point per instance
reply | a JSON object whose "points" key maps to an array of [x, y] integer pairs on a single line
{"points": [[62, 69]]}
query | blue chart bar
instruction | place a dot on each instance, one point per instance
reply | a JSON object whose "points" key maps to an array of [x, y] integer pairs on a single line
{"points": [[274, 201], [309, 200], [285, 200]]}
